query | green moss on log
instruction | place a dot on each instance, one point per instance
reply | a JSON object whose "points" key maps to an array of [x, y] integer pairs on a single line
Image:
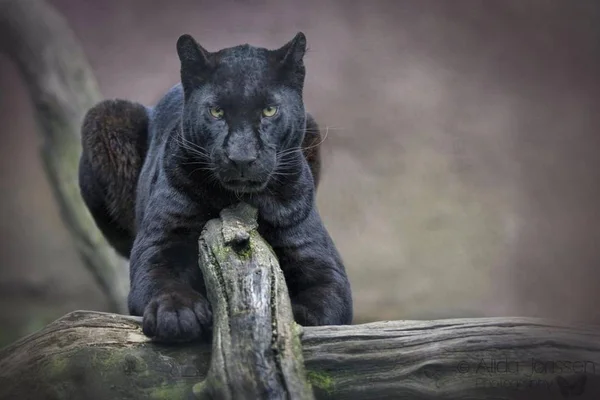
{"points": [[169, 392], [321, 380]]}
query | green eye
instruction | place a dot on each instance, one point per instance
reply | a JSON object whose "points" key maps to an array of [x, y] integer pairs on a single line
{"points": [[269, 111], [217, 112]]}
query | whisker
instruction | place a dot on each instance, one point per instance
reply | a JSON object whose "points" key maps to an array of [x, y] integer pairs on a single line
{"points": [[193, 151], [189, 145], [278, 173], [321, 141], [300, 149], [333, 128], [211, 169], [210, 179], [197, 163]]}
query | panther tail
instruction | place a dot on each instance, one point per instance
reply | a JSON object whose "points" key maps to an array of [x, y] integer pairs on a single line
{"points": [[114, 138]]}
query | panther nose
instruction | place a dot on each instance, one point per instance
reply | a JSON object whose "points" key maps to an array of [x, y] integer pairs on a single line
{"points": [[240, 161]]}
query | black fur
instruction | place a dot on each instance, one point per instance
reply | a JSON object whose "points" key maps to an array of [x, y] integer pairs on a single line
{"points": [[196, 162]]}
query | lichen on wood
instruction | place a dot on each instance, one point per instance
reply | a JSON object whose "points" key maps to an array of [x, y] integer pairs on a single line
{"points": [[99, 356], [255, 339]]}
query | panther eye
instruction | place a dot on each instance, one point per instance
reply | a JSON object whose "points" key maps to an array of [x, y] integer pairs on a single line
{"points": [[269, 111], [217, 112]]}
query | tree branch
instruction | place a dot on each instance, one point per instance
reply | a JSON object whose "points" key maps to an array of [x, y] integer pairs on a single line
{"points": [[62, 87], [256, 351], [91, 355]]}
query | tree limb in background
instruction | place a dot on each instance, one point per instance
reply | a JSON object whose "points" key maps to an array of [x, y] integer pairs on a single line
{"points": [[62, 88]]}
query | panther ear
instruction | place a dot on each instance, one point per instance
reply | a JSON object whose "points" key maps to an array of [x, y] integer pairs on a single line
{"points": [[195, 62], [290, 59], [292, 53]]}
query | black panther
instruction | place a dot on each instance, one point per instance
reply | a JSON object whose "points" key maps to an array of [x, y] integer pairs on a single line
{"points": [[235, 129]]}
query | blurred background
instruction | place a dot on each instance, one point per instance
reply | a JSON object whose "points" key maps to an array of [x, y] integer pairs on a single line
{"points": [[461, 170]]}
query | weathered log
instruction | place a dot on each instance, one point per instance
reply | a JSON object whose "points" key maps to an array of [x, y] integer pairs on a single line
{"points": [[91, 355], [256, 351], [63, 88]]}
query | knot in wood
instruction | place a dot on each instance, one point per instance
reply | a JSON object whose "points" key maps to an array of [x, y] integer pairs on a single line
{"points": [[238, 223]]}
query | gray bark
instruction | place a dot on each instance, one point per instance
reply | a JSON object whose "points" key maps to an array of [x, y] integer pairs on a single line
{"points": [[62, 88], [91, 355], [256, 351]]}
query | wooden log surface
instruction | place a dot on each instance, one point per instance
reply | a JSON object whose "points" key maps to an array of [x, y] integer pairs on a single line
{"points": [[91, 355], [256, 351]]}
